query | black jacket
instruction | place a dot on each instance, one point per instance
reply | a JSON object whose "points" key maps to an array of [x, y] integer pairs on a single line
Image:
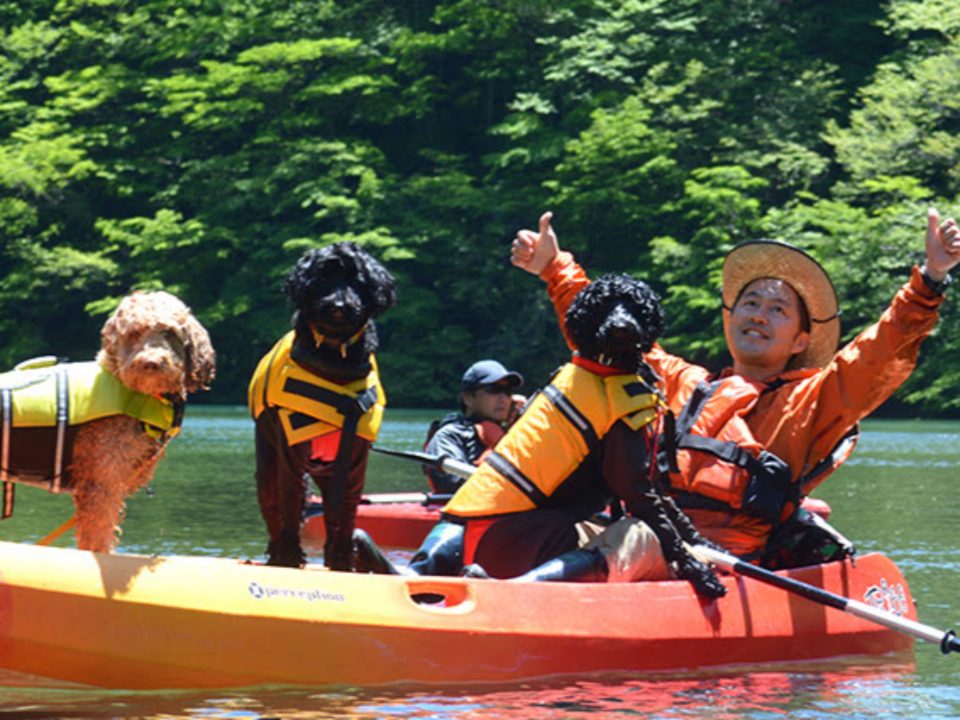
{"points": [[455, 438]]}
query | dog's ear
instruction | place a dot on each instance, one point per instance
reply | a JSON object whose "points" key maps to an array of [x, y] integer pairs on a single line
{"points": [[379, 283], [296, 283], [111, 337], [201, 359]]}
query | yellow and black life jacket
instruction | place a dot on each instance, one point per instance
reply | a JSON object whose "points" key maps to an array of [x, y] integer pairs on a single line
{"points": [[719, 464], [559, 428], [309, 405], [42, 403]]}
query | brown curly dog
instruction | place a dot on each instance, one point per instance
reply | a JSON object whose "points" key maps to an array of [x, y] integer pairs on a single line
{"points": [[108, 440]]}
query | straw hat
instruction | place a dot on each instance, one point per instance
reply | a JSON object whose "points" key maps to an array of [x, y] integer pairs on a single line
{"points": [[758, 259]]}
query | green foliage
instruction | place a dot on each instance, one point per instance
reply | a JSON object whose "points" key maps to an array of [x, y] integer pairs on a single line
{"points": [[202, 146], [718, 209]]}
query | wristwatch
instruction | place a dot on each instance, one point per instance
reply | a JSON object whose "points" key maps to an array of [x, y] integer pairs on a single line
{"points": [[938, 286]]}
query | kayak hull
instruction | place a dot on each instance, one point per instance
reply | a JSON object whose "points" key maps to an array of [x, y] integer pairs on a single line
{"points": [[128, 621]]}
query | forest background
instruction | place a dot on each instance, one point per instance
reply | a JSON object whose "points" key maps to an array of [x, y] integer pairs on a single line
{"points": [[202, 145]]}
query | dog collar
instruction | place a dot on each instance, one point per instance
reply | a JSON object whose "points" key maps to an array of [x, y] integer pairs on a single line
{"points": [[597, 368], [320, 339]]}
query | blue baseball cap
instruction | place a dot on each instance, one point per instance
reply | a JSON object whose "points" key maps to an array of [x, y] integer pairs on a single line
{"points": [[489, 372]]}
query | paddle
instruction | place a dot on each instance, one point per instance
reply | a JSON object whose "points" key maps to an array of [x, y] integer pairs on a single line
{"points": [[440, 462], [946, 639], [314, 505]]}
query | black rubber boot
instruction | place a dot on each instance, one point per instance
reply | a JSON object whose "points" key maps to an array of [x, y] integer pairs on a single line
{"points": [[367, 557], [574, 566], [441, 552]]}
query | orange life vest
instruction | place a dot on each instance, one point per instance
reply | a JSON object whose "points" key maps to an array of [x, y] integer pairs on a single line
{"points": [[719, 465]]}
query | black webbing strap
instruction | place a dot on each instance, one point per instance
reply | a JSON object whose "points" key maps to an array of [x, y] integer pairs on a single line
{"points": [[6, 400], [725, 450], [694, 406], [63, 414], [675, 428], [833, 459], [352, 410]]}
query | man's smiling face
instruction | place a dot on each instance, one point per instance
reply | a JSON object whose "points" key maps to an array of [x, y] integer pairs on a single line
{"points": [[765, 327]]}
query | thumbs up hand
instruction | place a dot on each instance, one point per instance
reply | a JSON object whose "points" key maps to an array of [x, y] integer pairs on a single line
{"points": [[943, 245], [533, 251]]}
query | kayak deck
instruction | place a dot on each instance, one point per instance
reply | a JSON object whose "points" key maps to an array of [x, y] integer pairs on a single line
{"points": [[128, 621]]}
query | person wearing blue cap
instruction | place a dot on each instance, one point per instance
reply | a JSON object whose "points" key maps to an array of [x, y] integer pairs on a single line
{"points": [[488, 403]]}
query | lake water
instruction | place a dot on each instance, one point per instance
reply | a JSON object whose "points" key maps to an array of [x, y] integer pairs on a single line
{"points": [[897, 495]]}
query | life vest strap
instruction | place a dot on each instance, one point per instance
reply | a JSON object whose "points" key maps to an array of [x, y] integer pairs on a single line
{"points": [[696, 501], [726, 451], [345, 405], [524, 484], [694, 406], [63, 414], [7, 487], [836, 457], [6, 400], [352, 411], [8, 492]]}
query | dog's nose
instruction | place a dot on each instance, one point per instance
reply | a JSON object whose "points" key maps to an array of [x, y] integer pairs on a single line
{"points": [[619, 329]]}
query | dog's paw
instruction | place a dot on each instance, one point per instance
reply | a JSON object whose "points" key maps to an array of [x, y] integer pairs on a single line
{"points": [[285, 551]]}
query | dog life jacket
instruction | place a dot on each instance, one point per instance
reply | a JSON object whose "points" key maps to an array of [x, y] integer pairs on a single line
{"points": [[719, 465], [59, 397], [308, 405], [561, 426]]}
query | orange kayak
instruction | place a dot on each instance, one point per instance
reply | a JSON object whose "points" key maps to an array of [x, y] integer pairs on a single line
{"points": [[402, 520], [394, 520], [133, 621]]}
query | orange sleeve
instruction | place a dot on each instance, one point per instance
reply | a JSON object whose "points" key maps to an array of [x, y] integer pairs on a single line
{"points": [[679, 376], [861, 376], [565, 278]]}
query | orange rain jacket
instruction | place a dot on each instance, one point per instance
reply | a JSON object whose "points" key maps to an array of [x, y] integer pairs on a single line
{"points": [[804, 418]]}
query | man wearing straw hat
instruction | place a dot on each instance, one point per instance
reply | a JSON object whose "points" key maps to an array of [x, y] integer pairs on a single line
{"points": [[790, 403]]}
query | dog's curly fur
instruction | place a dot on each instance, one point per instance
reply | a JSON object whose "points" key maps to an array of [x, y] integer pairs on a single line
{"points": [[615, 320], [337, 290], [153, 344]]}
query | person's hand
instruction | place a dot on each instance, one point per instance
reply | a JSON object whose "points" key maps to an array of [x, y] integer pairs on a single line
{"points": [[532, 251], [943, 246], [702, 577], [517, 402]]}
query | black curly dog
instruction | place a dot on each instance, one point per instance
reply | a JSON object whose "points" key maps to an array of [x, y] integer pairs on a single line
{"points": [[614, 321], [337, 291]]}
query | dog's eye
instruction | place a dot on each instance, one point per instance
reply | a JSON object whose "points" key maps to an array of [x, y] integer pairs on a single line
{"points": [[173, 339]]}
